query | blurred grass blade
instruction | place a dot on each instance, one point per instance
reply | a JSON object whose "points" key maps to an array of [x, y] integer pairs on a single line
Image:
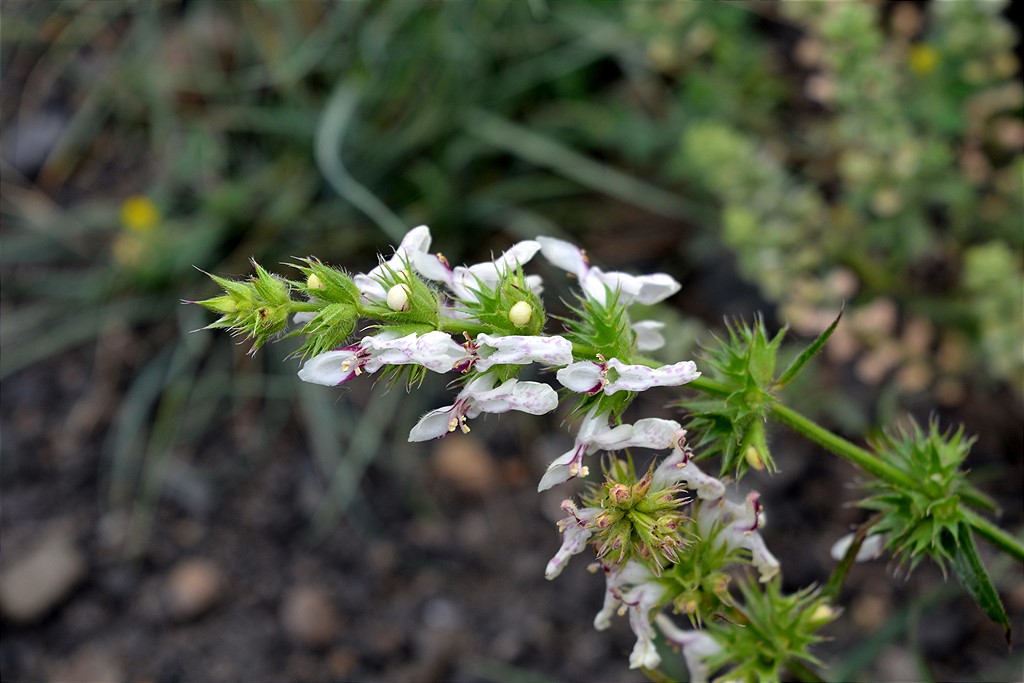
{"points": [[972, 575], [544, 151], [810, 352], [330, 134]]}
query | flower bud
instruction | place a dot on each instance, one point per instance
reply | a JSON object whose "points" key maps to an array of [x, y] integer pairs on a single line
{"points": [[753, 458], [314, 282], [520, 313], [822, 615], [398, 297], [618, 494]]}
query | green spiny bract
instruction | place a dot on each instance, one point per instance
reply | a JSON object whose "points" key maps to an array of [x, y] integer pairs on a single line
{"points": [[697, 583], [636, 522], [917, 519], [257, 308], [605, 331], [768, 630], [420, 309], [495, 307], [335, 298], [745, 363]]}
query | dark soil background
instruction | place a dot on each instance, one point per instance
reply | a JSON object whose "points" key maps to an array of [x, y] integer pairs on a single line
{"points": [[233, 563]]}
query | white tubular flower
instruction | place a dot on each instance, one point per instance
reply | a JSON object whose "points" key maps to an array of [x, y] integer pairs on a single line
{"points": [[633, 589], [481, 396], [613, 375], [415, 242], [678, 468], [595, 434], [435, 351], [697, 646], [463, 280], [520, 350], [575, 533], [644, 289], [739, 529], [648, 335], [870, 549]]}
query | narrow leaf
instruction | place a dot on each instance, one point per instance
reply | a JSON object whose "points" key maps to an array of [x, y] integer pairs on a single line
{"points": [[808, 353], [972, 575]]}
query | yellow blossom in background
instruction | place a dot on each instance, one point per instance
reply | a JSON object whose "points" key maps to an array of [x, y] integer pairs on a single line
{"points": [[139, 214], [923, 59]]}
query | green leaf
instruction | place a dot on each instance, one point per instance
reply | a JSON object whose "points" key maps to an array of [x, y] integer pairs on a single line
{"points": [[810, 352], [972, 575]]}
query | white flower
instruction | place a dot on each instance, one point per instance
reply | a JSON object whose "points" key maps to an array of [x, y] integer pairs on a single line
{"points": [[680, 468], [463, 280], [481, 396], [739, 529], [576, 531], [697, 646], [435, 351], [415, 242], [644, 289], [595, 434], [520, 350], [648, 335], [870, 549], [635, 589], [613, 375]]}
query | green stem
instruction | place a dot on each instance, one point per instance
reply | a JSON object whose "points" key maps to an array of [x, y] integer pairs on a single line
{"points": [[458, 326], [840, 446], [866, 461], [994, 534]]}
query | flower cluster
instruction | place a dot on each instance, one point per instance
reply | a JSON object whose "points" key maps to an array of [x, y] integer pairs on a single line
{"points": [[666, 539]]}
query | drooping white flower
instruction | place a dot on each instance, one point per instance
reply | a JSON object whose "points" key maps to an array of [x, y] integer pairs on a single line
{"points": [[634, 588], [870, 549], [613, 375], [481, 396], [644, 289], [679, 468], [435, 351], [415, 242], [697, 646], [595, 434], [462, 281], [739, 525], [576, 531], [491, 350], [648, 335]]}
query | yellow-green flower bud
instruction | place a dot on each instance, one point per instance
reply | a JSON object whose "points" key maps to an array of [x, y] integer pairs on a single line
{"points": [[398, 297], [520, 313], [314, 282], [753, 458]]}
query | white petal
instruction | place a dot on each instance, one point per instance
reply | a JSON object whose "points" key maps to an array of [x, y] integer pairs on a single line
{"points": [[597, 283], [575, 535], [564, 255], [648, 335], [416, 240], [870, 549], [698, 646], [436, 351], [303, 317], [656, 287], [432, 267], [655, 433], [433, 425], [331, 368], [529, 397], [671, 471], [369, 286], [535, 283], [644, 655], [641, 377], [520, 350], [583, 376]]}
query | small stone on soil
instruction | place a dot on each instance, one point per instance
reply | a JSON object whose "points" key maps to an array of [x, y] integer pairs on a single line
{"points": [[40, 579], [193, 587], [309, 616]]}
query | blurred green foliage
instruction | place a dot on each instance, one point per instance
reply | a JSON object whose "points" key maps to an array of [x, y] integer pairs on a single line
{"points": [[840, 150]]}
